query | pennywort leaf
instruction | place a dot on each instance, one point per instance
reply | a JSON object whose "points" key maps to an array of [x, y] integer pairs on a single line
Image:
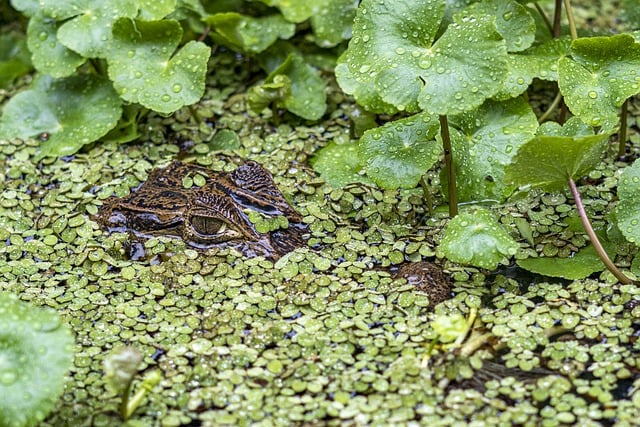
{"points": [[484, 142], [144, 68], [600, 75], [249, 34], [293, 85], [476, 238], [397, 154], [394, 58], [49, 56], [89, 31], [556, 154], [74, 111], [340, 164], [628, 208], [582, 264], [36, 351], [513, 22]]}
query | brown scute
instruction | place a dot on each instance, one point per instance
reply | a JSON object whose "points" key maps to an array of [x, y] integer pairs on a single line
{"points": [[427, 277]]}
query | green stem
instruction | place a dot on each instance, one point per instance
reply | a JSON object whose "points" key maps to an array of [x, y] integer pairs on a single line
{"points": [[124, 403], [427, 195], [594, 238], [572, 22], [552, 107], [622, 135], [544, 17], [451, 170], [195, 115], [557, 19]]}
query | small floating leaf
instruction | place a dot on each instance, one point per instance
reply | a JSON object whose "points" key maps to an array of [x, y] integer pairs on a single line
{"points": [[36, 351], [74, 111], [476, 238], [143, 69], [556, 154], [249, 34], [600, 75], [628, 208], [400, 152], [340, 164]]}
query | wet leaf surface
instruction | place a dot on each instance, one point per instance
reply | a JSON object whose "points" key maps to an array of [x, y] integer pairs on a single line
{"points": [[628, 208]]}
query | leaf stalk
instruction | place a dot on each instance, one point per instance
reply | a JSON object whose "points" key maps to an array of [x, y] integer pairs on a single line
{"points": [[451, 170], [594, 238]]}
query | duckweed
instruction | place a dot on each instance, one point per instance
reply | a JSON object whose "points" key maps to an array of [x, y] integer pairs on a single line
{"points": [[322, 335]]}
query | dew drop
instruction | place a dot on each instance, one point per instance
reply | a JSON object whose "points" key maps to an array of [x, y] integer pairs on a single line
{"points": [[43, 36], [8, 377], [400, 51], [165, 98], [593, 94], [138, 74], [131, 53], [177, 88], [507, 15]]}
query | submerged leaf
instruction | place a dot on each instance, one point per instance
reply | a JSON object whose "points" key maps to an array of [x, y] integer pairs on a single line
{"points": [[600, 75], [400, 152], [74, 111], [628, 208], [557, 154], [340, 164], [582, 264], [143, 69], [36, 351], [484, 142], [249, 34], [476, 238]]}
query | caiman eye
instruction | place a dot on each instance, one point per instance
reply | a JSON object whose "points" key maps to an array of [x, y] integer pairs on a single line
{"points": [[207, 225], [207, 229]]}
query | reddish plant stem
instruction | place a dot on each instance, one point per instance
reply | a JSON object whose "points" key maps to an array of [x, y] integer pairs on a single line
{"points": [[594, 238], [557, 18]]}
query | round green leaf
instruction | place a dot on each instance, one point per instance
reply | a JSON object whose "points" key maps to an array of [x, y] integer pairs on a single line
{"points": [[582, 264], [36, 351], [464, 67], [48, 55], [74, 111], [557, 154], [143, 69], [332, 20], [600, 75], [151, 10], [340, 164], [389, 40], [293, 11], [476, 238], [540, 61], [249, 34], [393, 54], [400, 152], [305, 96], [89, 32], [628, 208], [513, 22], [484, 142]]}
